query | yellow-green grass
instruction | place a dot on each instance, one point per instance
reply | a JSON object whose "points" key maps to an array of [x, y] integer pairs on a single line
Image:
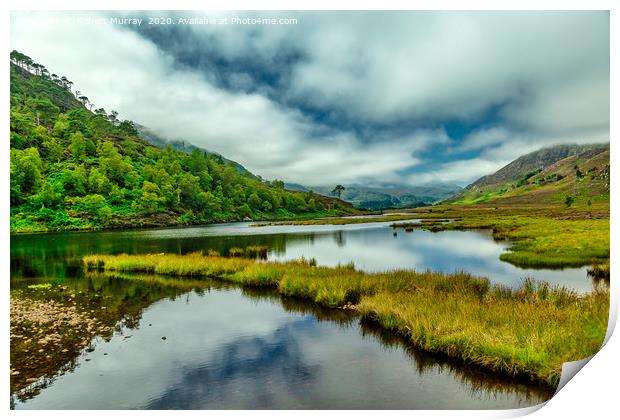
{"points": [[538, 241], [547, 235], [600, 270], [338, 220], [526, 332]]}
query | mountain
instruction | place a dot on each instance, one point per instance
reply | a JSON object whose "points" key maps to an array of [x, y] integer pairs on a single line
{"points": [[387, 197], [550, 175], [156, 139], [74, 168]]}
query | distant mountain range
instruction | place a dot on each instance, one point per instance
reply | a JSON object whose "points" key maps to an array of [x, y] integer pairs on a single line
{"points": [[551, 174], [373, 198], [548, 175], [386, 197]]}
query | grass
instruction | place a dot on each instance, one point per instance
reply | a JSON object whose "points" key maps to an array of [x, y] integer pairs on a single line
{"points": [[551, 235], [525, 332], [337, 220], [543, 236], [600, 271]]}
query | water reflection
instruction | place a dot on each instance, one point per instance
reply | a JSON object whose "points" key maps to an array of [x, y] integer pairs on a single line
{"points": [[233, 348], [247, 348], [371, 246]]}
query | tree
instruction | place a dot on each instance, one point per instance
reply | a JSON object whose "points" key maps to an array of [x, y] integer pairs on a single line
{"points": [[278, 184], [112, 117], [98, 182], [53, 150], [26, 168], [93, 202], [78, 145], [74, 181], [45, 111], [338, 189], [254, 201], [46, 197], [104, 214], [569, 201], [112, 163], [149, 198], [128, 128]]}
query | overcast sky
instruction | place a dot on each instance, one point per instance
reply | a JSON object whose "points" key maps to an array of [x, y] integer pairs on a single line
{"points": [[344, 97]]}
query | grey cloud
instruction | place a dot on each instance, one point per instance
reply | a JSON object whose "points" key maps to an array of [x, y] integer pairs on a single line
{"points": [[548, 72]]}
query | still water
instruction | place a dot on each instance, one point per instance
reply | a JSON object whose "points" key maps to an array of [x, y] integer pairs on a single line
{"points": [[231, 348]]}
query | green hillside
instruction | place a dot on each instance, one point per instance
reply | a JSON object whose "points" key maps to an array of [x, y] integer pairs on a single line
{"points": [[73, 167], [181, 145], [560, 174]]}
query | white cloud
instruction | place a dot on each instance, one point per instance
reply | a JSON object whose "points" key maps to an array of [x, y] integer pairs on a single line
{"points": [[460, 172], [547, 71], [128, 73]]}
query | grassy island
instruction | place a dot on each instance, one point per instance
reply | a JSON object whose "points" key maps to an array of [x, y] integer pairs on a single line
{"points": [[525, 332]]}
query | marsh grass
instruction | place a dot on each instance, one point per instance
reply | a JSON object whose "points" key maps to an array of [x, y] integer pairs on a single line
{"points": [[338, 220], [528, 332], [542, 236], [600, 271], [537, 242], [524, 332]]}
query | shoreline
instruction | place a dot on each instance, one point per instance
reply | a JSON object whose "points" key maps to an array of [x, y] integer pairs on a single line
{"points": [[418, 305]]}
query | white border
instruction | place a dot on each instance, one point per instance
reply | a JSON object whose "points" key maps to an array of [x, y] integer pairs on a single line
{"points": [[591, 394]]}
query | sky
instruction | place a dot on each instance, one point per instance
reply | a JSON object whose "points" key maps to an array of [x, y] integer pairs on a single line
{"points": [[368, 98]]}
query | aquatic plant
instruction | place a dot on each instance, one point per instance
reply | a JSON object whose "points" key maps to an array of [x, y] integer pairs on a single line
{"points": [[599, 270], [528, 331]]}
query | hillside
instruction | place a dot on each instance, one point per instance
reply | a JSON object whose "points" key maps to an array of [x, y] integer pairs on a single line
{"points": [[75, 168], [183, 146], [559, 174], [388, 197]]}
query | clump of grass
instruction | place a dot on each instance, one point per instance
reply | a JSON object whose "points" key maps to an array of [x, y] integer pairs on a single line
{"points": [[213, 253], [195, 264], [338, 220], [40, 286], [538, 240], [256, 251], [529, 331], [236, 252], [599, 270]]}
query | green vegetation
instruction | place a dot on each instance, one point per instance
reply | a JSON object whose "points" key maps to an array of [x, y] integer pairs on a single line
{"points": [[528, 332], [337, 191], [74, 168], [600, 271], [543, 236], [550, 175], [339, 220]]}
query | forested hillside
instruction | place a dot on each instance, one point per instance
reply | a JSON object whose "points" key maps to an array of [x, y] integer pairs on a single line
{"points": [[75, 166]]}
